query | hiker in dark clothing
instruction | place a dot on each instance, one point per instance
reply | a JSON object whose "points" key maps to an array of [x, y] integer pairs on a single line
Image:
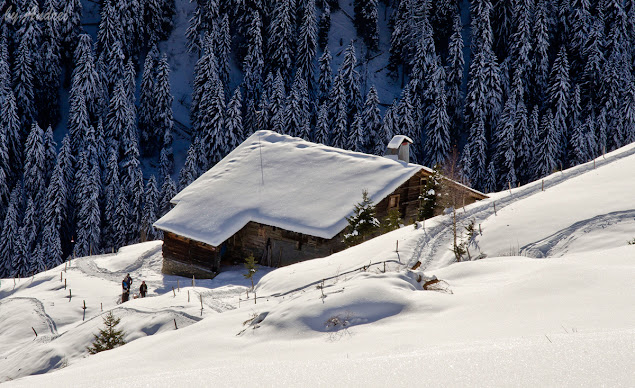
{"points": [[126, 290], [129, 280], [143, 290]]}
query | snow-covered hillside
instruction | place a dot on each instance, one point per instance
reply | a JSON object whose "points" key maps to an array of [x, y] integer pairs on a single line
{"points": [[360, 317]]}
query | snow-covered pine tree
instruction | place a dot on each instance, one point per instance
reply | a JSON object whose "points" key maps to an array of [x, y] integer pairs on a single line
{"points": [[277, 106], [233, 121], [23, 86], [10, 232], [306, 49], [387, 129], [146, 111], [132, 186], [163, 119], [212, 123], [296, 115], [338, 113], [149, 210], [324, 27], [221, 39], [121, 222], [356, 137], [437, 140], [11, 126], [350, 79], [281, 41], [189, 172], [203, 88], [49, 68], [115, 62], [477, 146], [51, 248], [168, 191], [325, 79], [111, 196], [253, 63], [362, 224], [406, 124], [55, 205], [85, 81], [371, 120], [559, 90], [35, 166], [26, 241], [88, 215], [548, 146], [505, 154], [70, 25], [322, 127], [525, 143], [50, 154], [454, 71], [120, 117], [628, 112]]}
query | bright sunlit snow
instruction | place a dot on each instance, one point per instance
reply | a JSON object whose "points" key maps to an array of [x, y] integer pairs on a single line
{"points": [[360, 317]]}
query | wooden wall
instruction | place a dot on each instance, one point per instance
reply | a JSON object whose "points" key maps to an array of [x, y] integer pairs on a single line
{"points": [[184, 250], [278, 247]]}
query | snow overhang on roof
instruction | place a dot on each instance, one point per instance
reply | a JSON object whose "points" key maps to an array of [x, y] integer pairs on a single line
{"points": [[398, 140], [281, 181]]}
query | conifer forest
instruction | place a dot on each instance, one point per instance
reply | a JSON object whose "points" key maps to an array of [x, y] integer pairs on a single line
{"points": [[508, 90]]}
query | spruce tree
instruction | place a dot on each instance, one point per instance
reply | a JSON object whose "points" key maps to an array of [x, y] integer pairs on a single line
{"points": [[88, 215], [35, 165], [233, 122], [322, 128], [325, 79], [254, 62], [189, 172], [109, 337], [147, 98], [163, 120], [10, 233], [23, 85], [366, 22], [362, 224], [168, 191], [306, 48], [548, 146], [387, 130], [371, 120], [281, 42], [150, 210], [454, 71], [559, 89], [86, 81], [11, 127], [437, 143]]}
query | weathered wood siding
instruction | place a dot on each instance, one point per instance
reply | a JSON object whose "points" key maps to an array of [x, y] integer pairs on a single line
{"points": [[409, 192], [278, 247], [184, 250]]}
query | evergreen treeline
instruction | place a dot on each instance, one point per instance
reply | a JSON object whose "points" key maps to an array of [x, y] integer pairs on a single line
{"points": [[536, 86]]}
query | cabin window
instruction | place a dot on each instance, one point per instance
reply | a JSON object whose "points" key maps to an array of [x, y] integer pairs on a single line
{"points": [[393, 201]]}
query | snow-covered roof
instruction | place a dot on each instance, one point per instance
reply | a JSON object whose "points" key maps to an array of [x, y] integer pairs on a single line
{"points": [[281, 181]]}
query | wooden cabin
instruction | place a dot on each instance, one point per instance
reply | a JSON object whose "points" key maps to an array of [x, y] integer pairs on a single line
{"points": [[285, 200]]}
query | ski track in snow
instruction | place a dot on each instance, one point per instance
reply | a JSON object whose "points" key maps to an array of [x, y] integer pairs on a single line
{"points": [[88, 266], [562, 239], [436, 238], [38, 309]]}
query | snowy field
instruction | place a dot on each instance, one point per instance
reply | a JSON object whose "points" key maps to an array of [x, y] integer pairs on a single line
{"points": [[553, 304]]}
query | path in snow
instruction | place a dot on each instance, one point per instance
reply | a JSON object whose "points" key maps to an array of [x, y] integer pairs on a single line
{"points": [[438, 237], [559, 242]]}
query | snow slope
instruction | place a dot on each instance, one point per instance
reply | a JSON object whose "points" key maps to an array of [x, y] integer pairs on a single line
{"points": [[567, 320]]}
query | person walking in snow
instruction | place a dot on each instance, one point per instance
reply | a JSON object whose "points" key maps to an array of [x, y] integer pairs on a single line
{"points": [[129, 280], [125, 294], [143, 289]]}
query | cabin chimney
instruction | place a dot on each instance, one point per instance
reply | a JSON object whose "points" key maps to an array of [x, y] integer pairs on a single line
{"points": [[399, 148]]}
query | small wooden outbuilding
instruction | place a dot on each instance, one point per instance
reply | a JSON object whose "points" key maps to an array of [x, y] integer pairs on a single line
{"points": [[284, 200]]}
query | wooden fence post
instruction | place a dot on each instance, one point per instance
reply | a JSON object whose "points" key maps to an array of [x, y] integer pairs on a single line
{"points": [[70, 294], [84, 316], [173, 291], [178, 286], [64, 283], [543, 185], [101, 306], [60, 277], [494, 202], [34, 331], [175, 327], [188, 296]]}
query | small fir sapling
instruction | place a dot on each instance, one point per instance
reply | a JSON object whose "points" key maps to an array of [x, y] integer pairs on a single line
{"points": [[392, 221], [363, 223], [429, 198], [250, 265], [109, 337]]}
